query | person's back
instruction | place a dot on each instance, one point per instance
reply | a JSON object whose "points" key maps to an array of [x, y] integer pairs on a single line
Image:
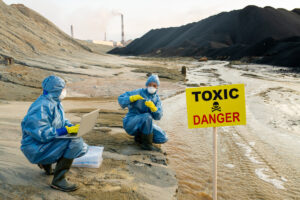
{"points": [[42, 104], [44, 121]]}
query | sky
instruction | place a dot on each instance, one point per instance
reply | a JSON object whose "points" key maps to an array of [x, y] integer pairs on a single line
{"points": [[92, 18]]}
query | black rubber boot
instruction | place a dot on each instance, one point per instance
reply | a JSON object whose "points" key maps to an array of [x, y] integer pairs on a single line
{"points": [[138, 138], [59, 181], [147, 143], [47, 168]]}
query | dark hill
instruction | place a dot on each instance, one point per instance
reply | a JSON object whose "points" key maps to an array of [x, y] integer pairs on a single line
{"points": [[223, 36]]}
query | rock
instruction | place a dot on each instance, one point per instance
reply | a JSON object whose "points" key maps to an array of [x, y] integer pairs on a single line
{"points": [[183, 70], [84, 67], [203, 59]]}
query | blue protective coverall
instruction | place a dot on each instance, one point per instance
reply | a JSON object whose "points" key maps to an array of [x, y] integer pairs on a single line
{"points": [[39, 126], [140, 118]]}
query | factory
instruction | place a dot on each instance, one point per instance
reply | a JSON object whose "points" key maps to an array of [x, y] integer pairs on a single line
{"points": [[111, 43]]}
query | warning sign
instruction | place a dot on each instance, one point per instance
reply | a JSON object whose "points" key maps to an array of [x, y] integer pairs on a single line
{"points": [[216, 106]]}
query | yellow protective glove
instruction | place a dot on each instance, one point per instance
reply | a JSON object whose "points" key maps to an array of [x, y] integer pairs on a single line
{"points": [[134, 98], [73, 129], [151, 105]]}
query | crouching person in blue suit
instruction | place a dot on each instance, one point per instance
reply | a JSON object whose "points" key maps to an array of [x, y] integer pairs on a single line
{"points": [[45, 121], [144, 106]]}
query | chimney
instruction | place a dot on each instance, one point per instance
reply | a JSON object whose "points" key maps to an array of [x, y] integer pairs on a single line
{"points": [[122, 28], [72, 33]]}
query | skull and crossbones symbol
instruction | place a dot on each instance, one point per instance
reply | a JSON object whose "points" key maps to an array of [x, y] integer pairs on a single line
{"points": [[215, 107]]}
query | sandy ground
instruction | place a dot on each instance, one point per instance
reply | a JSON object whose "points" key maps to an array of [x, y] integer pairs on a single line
{"points": [[257, 161], [126, 172]]}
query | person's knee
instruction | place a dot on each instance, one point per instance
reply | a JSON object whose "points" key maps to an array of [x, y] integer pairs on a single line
{"points": [[148, 120], [76, 144], [76, 148], [147, 117], [147, 125], [138, 122]]}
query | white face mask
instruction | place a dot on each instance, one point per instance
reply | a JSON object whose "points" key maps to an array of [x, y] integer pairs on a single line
{"points": [[63, 94], [151, 90]]}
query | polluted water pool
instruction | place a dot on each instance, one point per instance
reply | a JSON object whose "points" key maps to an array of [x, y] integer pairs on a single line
{"points": [[258, 161]]}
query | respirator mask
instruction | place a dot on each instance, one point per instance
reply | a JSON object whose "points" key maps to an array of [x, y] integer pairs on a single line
{"points": [[63, 94], [151, 90]]}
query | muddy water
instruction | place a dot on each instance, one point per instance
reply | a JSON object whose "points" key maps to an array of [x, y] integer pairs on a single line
{"points": [[258, 161]]}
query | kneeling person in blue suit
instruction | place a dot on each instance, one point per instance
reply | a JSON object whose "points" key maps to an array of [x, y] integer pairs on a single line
{"points": [[45, 120], [144, 105]]}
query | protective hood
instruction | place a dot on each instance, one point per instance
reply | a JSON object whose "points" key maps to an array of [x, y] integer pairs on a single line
{"points": [[53, 86], [153, 78]]}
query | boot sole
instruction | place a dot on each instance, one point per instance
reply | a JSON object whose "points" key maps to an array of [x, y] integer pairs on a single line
{"points": [[62, 189], [151, 149]]}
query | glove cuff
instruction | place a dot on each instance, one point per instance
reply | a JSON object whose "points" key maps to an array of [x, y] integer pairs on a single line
{"points": [[154, 109], [131, 99], [61, 131]]}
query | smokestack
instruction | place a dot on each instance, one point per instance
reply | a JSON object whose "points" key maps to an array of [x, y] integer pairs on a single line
{"points": [[72, 33], [122, 28], [104, 36]]}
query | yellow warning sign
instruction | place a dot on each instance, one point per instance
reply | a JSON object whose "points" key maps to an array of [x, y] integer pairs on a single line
{"points": [[216, 106]]}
